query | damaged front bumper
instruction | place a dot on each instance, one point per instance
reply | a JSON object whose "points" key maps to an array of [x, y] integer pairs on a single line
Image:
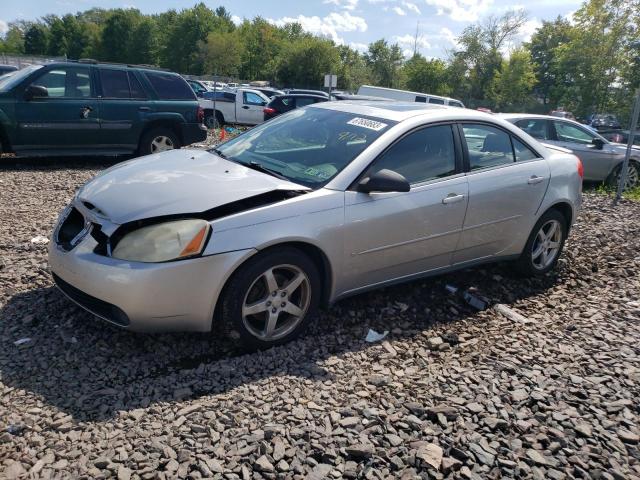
{"points": [[146, 297]]}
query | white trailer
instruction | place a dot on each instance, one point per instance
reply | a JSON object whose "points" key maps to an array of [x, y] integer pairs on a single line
{"points": [[408, 96]]}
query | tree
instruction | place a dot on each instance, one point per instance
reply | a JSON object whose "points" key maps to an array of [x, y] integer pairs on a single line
{"points": [[544, 46], [36, 39], [117, 43], [144, 43], [512, 85], [57, 37], [13, 40], [352, 71], [384, 61], [222, 53], [305, 62], [428, 76]]}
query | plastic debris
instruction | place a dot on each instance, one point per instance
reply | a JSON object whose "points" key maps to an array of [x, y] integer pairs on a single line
{"points": [[451, 288], [373, 336], [15, 429], [475, 301], [510, 313], [39, 240], [22, 341]]}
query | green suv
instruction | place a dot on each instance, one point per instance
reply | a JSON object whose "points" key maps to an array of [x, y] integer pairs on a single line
{"points": [[85, 107]]}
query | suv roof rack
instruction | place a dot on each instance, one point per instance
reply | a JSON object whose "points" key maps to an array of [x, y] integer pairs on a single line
{"points": [[131, 65]]}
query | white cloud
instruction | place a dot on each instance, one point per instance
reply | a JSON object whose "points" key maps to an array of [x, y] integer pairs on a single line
{"points": [[409, 40], [346, 4], [412, 7], [3, 27], [448, 36], [328, 26], [399, 11], [236, 19], [528, 29], [461, 10], [361, 47]]}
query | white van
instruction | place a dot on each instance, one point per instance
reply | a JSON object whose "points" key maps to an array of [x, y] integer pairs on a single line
{"points": [[407, 96]]}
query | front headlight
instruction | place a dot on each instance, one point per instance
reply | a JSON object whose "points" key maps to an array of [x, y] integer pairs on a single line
{"points": [[163, 242]]}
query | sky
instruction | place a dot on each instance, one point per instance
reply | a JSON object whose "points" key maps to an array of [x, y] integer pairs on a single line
{"points": [[351, 22]]}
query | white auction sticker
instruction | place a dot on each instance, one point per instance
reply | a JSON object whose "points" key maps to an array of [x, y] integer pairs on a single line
{"points": [[366, 123]]}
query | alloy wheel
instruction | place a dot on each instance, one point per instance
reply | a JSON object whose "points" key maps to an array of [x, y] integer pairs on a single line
{"points": [[276, 302], [161, 143], [546, 245]]}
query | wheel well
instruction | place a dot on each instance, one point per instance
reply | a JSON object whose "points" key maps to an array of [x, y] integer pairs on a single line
{"points": [[5, 145], [566, 211], [162, 124], [316, 255]]}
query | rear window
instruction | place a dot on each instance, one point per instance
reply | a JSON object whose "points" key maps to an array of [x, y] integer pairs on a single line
{"points": [[169, 86], [115, 83]]}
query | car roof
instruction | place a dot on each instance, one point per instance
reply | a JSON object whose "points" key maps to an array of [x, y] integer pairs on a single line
{"points": [[305, 95], [400, 111]]}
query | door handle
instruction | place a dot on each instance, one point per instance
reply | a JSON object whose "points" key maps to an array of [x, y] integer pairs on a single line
{"points": [[84, 111], [535, 179], [246, 107], [144, 109], [453, 198]]}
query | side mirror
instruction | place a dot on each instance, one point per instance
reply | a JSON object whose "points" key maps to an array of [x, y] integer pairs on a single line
{"points": [[384, 181], [34, 91], [597, 143]]}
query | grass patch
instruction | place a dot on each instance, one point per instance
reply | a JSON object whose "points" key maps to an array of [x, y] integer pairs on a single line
{"points": [[605, 190]]}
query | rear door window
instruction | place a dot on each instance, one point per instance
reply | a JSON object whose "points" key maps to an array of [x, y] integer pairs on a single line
{"points": [[169, 86], [421, 99], [304, 101], [437, 101], [115, 83], [136, 88]]}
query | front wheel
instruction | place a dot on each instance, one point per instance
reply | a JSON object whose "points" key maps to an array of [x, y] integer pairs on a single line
{"points": [[633, 176], [272, 298], [545, 243], [158, 140]]}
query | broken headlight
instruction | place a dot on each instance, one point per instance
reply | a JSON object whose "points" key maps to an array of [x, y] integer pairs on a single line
{"points": [[164, 241]]}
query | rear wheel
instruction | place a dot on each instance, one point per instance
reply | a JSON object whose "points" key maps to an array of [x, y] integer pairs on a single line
{"points": [[272, 298], [633, 176], [158, 140], [212, 120], [545, 243]]}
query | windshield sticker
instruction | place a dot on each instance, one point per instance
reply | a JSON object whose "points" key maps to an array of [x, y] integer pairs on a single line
{"points": [[314, 172], [366, 123]]}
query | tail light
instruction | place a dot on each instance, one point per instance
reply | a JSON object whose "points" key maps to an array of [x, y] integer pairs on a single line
{"points": [[269, 110], [200, 114], [580, 168]]}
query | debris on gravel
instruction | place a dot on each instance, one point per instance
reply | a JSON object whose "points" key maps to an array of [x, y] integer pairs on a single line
{"points": [[451, 392]]}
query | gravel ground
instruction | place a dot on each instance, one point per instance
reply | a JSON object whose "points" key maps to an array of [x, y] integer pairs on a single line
{"points": [[450, 393]]}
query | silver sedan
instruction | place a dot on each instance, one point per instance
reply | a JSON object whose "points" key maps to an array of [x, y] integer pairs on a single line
{"points": [[601, 158], [316, 205]]}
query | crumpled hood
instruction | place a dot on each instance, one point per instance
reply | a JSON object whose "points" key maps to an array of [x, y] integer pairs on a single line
{"points": [[174, 182]]}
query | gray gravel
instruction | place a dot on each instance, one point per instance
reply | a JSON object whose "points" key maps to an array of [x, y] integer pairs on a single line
{"points": [[451, 392]]}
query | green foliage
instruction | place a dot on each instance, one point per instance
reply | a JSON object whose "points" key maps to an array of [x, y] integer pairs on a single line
{"points": [[385, 62], [424, 75], [591, 64]]}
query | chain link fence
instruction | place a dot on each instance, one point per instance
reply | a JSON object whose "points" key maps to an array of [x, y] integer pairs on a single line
{"points": [[22, 61]]}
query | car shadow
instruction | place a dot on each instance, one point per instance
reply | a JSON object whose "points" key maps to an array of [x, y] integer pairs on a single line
{"points": [[92, 371]]}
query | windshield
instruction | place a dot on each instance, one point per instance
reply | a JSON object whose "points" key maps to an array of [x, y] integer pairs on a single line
{"points": [[8, 81], [308, 146]]}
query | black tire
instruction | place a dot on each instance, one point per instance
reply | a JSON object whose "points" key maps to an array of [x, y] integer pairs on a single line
{"points": [[147, 140], [212, 120], [632, 180], [526, 264], [249, 279]]}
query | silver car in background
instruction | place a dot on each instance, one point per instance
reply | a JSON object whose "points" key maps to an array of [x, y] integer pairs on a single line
{"points": [[319, 204], [602, 159]]}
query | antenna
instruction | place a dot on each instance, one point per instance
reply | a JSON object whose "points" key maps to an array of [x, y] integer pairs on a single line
{"points": [[415, 39]]}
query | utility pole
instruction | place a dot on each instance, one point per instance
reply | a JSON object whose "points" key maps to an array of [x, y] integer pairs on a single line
{"points": [[622, 179], [415, 39]]}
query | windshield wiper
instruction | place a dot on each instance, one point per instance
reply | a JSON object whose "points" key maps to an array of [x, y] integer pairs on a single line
{"points": [[219, 153], [261, 168]]}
